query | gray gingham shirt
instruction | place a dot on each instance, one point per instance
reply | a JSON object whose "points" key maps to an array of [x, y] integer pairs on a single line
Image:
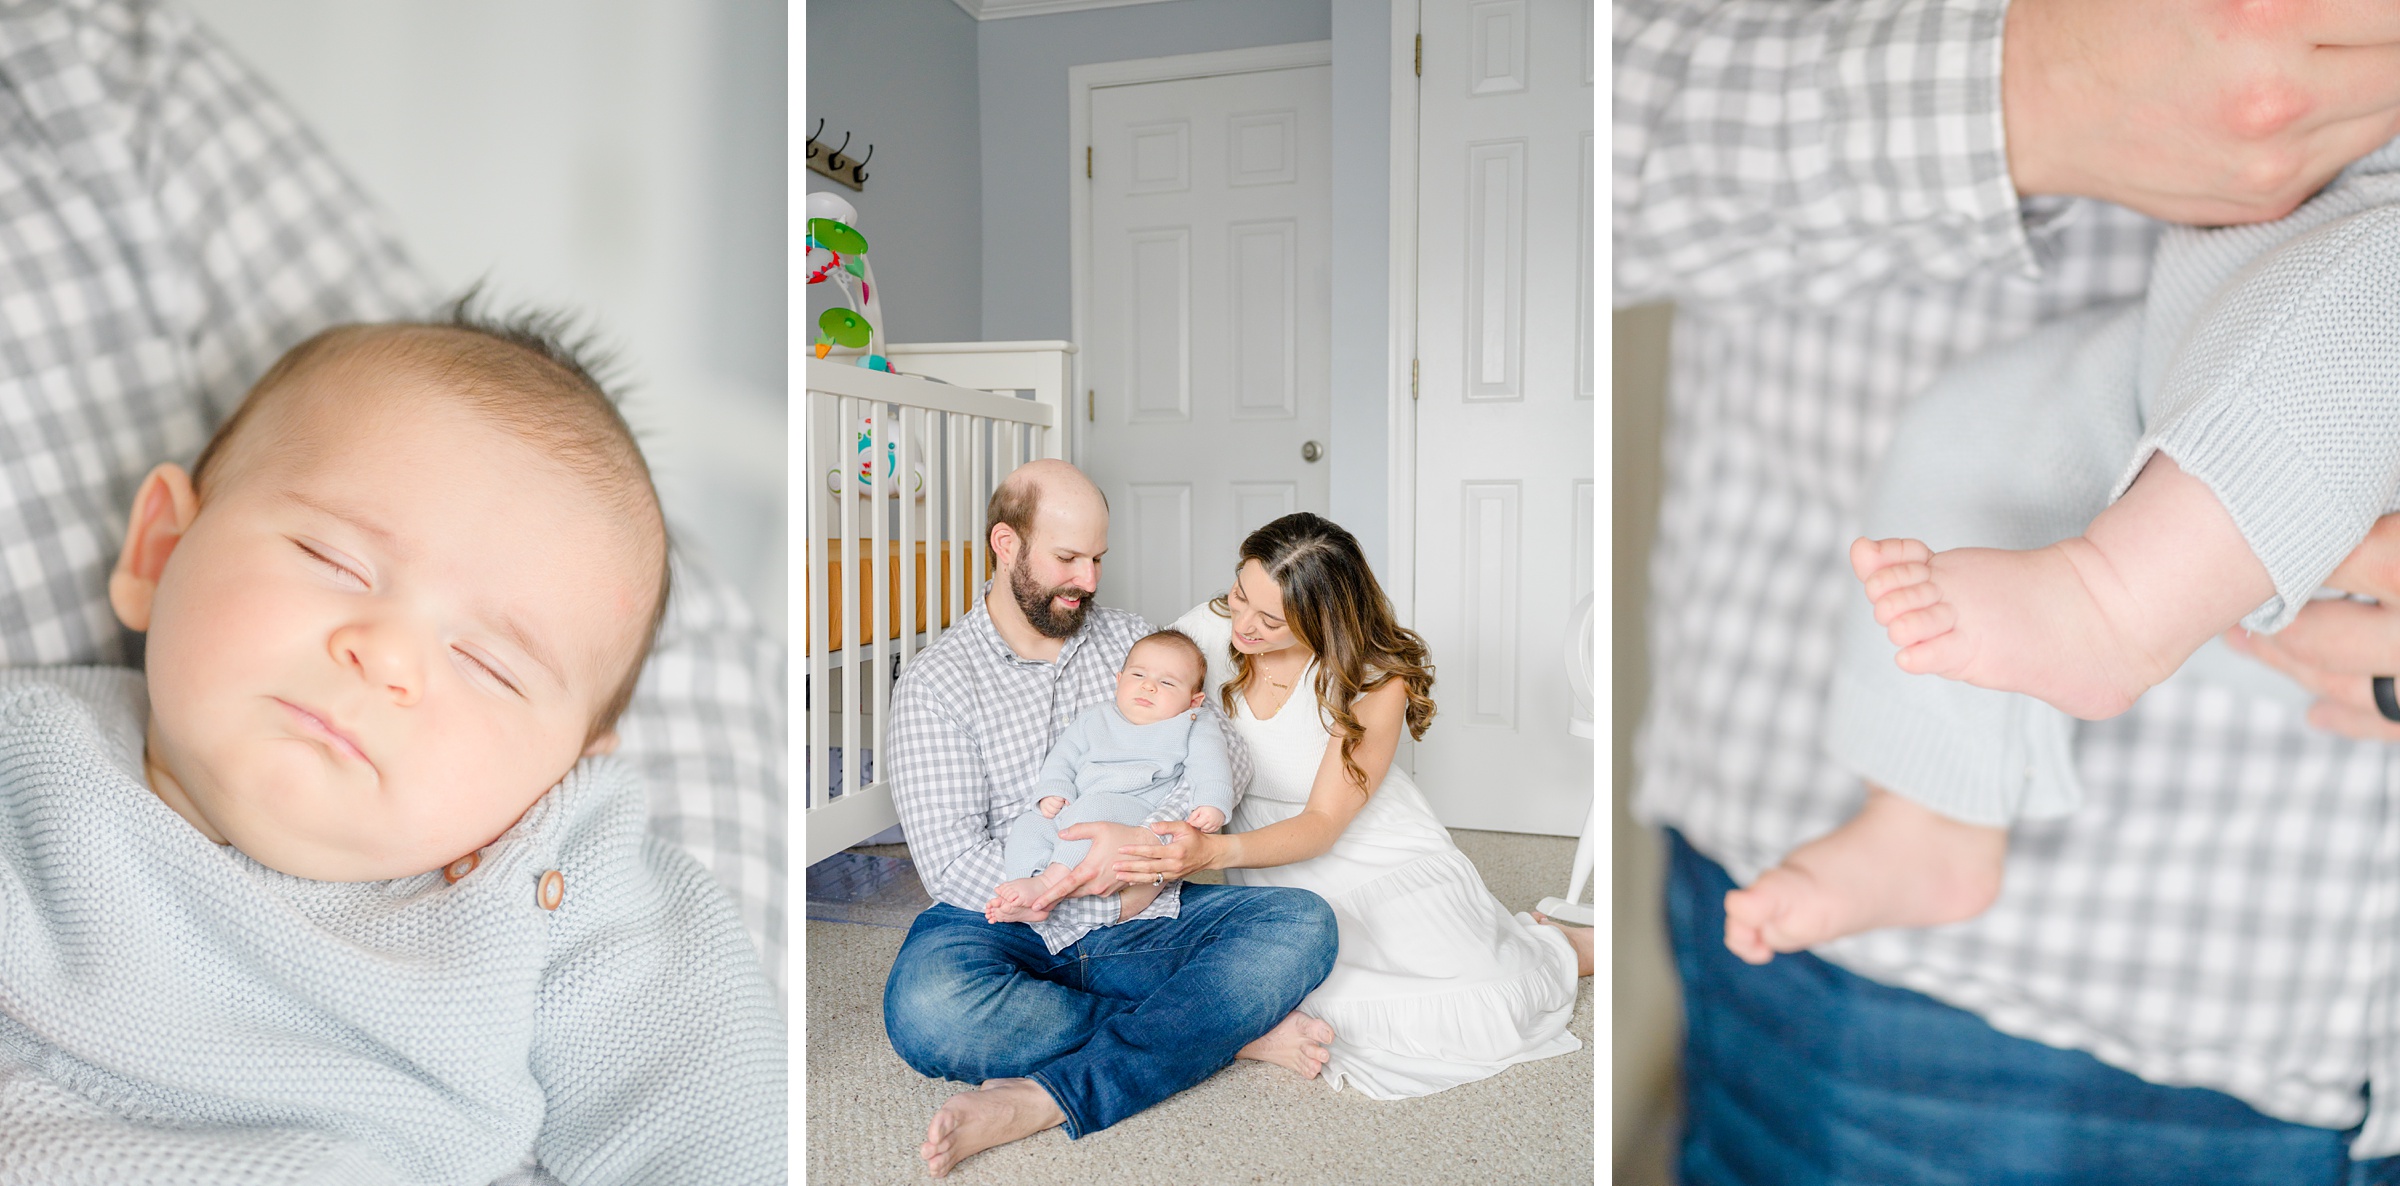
{"points": [[1823, 190], [971, 723], [167, 229]]}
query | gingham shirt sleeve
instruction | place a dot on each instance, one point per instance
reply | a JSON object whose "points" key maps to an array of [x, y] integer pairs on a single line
{"points": [[939, 789], [1794, 152]]}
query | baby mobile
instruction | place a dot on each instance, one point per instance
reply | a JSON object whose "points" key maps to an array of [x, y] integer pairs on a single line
{"points": [[837, 254]]}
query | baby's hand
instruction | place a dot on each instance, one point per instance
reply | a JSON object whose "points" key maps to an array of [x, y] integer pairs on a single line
{"points": [[1207, 819], [1051, 805]]}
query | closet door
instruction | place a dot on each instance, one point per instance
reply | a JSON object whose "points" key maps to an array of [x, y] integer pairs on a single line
{"points": [[1206, 367]]}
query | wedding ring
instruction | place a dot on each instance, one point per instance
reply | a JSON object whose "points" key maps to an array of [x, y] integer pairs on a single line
{"points": [[2386, 701], [1161, 878]]}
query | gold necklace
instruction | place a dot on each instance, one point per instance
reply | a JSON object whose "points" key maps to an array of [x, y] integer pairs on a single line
{"points": [[1273, 682]]}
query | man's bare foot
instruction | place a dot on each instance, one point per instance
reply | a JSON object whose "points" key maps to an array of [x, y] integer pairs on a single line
{"points": [[1895, 864], [1298, 1043], [1580, 938], [2026, 622], [996, 1113]]}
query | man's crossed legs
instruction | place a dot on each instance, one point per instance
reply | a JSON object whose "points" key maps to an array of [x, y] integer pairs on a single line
{"points": [[1123, 1018]]}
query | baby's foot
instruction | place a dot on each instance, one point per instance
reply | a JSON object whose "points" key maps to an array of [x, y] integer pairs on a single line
{"points": [[1298, 1043], [1895, 864], [2014, 621], [1019, 894]]}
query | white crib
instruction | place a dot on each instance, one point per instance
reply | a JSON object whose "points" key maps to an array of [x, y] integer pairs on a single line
{"points": [[896, 555]]}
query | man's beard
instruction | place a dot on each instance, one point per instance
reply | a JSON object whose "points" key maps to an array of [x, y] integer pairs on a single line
{"points": [[1039, 609]]}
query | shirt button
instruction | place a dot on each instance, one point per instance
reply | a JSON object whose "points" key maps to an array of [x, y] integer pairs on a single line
{"points": [[461, 867], [552, 890]]}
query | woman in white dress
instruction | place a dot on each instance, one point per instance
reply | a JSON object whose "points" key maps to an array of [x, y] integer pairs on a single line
{"points": [[1436, 983]]}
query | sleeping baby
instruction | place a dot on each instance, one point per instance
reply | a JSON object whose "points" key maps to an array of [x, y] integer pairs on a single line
{"points": [[1119, 762], [342, 888]]}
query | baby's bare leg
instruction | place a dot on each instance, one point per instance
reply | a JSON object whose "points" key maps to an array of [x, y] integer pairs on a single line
{"points": [[2087, 624], [1895, 864]]}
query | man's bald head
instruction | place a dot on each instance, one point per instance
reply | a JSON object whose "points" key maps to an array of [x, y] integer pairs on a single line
{"points": [[1037, 485]]}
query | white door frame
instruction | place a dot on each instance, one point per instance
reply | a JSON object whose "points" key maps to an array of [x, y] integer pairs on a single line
{"points": [[1081, 82], [1400, 423]]}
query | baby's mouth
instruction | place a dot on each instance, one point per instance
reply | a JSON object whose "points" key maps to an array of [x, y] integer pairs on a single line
{"points": [[317, 726]]}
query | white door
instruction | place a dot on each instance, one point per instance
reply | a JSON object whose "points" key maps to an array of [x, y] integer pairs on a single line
{"points": [[1205, 328], [1504, 408]]}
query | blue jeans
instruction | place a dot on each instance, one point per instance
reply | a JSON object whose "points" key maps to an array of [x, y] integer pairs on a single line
{"points": [[1125, 1016], [1799, 1072]]}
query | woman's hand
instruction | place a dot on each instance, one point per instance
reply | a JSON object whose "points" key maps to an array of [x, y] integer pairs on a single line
{"points": [[2335, 649], [1191, 851]]}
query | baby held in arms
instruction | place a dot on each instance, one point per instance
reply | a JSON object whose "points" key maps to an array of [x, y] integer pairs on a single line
{"points": [[341, 886], [1119, 763], [2070, 519]]}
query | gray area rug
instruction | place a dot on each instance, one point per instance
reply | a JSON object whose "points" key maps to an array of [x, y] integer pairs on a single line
{"points": [[1251, 1123]]}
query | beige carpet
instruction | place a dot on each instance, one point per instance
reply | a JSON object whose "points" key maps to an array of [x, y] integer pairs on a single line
{"points": [[866, 1110]]}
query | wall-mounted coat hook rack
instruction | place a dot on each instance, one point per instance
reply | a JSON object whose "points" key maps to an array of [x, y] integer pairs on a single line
{"points": [[832, 163]]}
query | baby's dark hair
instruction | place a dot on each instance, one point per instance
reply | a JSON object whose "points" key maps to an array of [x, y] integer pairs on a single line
{"points": [[534, 372], [1179, 640]]}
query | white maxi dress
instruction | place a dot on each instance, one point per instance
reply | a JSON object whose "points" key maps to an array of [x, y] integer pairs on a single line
{"points": [[1435, 983]]}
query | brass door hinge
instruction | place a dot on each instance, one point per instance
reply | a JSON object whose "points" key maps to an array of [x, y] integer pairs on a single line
{"points": [[1412, 378], [1087, 161], [1089, 412], [1420, 55]]}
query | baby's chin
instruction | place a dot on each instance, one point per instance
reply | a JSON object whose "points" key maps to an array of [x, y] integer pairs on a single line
{"points": [[1147, 716]]}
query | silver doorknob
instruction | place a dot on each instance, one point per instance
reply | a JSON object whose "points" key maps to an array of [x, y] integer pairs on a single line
{"points": [[1310, 450]]}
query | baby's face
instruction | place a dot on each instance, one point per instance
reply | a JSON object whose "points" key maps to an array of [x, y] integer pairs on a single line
{"points": [[368, 655], [1157, 682]]}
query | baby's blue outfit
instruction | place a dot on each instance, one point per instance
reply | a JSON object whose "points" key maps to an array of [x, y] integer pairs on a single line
{"points": [[2265, 360], [1111, 770], [171, 1011]]}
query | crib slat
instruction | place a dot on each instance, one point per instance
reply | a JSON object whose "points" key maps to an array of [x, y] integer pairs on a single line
{"points": [[820, 623], [850, 607], [910, 570], [889, 570]]}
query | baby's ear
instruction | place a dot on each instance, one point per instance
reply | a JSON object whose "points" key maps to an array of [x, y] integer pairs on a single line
{"points": [[163, 509]]}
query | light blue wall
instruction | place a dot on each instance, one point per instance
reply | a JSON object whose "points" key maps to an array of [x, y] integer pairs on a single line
{"points": [[1024, 64], [901, 75], [1362, 106]]}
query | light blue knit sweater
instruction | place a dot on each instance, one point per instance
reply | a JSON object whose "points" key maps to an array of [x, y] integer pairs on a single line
{"points": [[172, 1011], [2264, 359], [1108, 768]]}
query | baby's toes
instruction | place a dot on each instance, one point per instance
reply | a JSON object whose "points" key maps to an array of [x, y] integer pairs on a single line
{"points": [[1905, 599], [1868, 556], [1944, 653], [1883, 581], [1918, 626]]}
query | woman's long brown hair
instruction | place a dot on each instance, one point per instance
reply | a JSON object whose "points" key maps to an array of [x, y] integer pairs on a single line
{"points": [[1333, 605]]}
